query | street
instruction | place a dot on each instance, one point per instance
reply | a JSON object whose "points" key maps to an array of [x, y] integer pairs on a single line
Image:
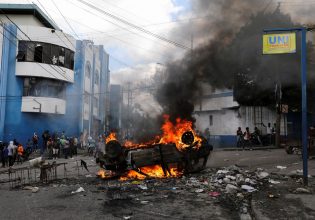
{"points": [[188, 197]]}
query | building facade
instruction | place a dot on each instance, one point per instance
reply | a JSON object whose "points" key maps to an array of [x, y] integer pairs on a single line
{"points": [[116, 100], [44, 84], [218, 112], [93, 81]]}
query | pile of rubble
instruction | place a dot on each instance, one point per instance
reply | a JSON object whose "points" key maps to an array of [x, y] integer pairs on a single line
{"points": [[233, 185], [230, 186]]}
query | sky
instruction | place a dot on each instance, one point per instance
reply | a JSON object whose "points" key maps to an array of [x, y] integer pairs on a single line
{"points": [[134, 55]]}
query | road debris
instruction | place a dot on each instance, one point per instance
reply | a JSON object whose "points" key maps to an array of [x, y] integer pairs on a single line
{"points": [[248, 188], [302, 190], [80, 189], [34, 189], [273, 181], [281, 167]]}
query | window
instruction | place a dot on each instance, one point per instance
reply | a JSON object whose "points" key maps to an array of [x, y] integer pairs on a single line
{"points": [[67, 57], [61, 57], [54, 54], [97, 77], [95, 102], [32, 51], [210, 120], [44, 88], [47, 53], [86, 98], [38, 53], [22, 50], [88, 69], [71, 60]]}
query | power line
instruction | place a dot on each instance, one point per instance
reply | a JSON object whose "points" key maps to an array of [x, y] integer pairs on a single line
{"points": [[65, 20], [118, 25], [17, 46], [134, 26], [31, 48]]}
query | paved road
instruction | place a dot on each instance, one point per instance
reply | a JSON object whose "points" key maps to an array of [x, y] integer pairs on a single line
{"points": [[267, 159], [55, 201]]}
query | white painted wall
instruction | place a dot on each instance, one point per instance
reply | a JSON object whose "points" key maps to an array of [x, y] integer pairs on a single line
{"points": [[225, 122], [95, 112], [22, 20], [88, 52], [87, 85], [34, 69], [86, 111], [213, 104], [48, 105], [228, 115], [46, 35]]}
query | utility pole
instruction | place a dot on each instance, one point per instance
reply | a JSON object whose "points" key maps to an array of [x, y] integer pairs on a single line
{"points": [[129, 104]]}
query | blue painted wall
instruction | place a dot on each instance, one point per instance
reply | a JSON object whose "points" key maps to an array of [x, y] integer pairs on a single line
{"points": [[21, 125]]}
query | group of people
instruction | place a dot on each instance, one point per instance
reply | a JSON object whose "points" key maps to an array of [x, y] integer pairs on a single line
{"points": [[53, 146], [248, 139], [13, 152]]}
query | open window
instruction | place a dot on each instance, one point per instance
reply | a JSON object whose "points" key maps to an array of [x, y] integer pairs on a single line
{"points": [[38, 53]]}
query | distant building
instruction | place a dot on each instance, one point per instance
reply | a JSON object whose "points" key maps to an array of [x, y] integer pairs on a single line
{"points": [[116, 100], [48, 80], [218, 111], [93, 83]]}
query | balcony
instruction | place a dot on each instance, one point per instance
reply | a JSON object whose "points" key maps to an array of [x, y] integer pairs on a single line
{"points": [[43, 105], [33, 69]]}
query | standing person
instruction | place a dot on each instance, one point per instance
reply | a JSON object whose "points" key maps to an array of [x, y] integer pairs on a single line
{"points": [[82, 141], [11, 153], [71, 146], [29, 145], [100, 149], [239, 136], [207, 134], [75, 146], [5, 155], [66, 148], [20, 152], [56, 147], [268, 131], [273, 133], [35, 141], [257, 135], [45, 137], [1, 152], [247, 137], [50, 144]]}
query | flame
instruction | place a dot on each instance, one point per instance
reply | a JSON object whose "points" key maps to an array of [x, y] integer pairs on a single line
{"points": [[101, 173], [111, 137], [131, 174], [172, 133], [105, 174], [155, 171]]}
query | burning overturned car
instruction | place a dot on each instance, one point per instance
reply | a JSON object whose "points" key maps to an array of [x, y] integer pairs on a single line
{"points": [[179, 150]]}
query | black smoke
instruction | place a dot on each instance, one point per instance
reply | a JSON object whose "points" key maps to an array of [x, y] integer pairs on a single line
{"points": [[232, 58]]}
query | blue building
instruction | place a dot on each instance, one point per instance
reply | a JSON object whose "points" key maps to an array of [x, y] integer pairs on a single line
{"points": [[48, 80]]}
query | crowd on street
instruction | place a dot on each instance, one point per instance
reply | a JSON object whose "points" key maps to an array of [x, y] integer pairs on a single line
{"points": [[248, 138], [51, 146]]}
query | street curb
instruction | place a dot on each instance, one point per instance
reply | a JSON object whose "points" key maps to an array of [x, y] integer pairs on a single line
{"points": [[247, 149]]}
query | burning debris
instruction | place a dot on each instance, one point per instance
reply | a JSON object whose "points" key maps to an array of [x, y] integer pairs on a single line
{"points": [[178, 150]]}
